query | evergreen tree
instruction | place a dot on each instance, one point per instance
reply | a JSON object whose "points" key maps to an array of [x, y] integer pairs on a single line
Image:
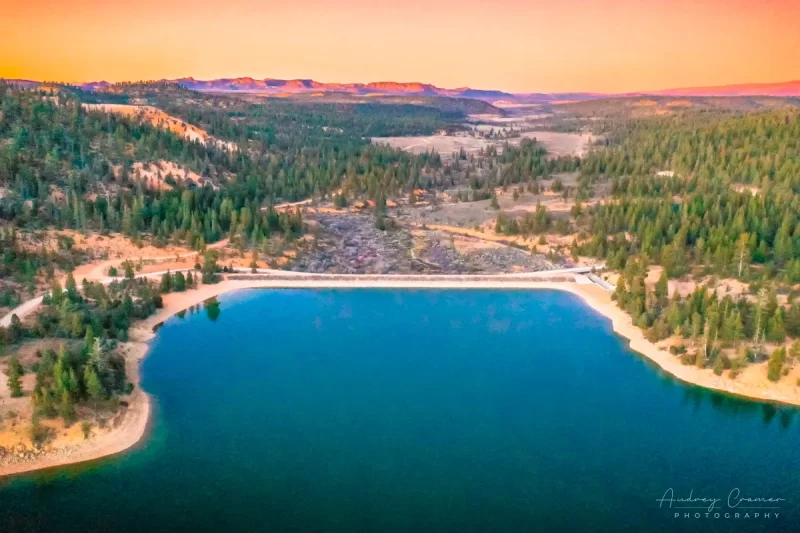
{"points": [[56, 294], [775, 329], [179, 282], [166, 283], [15, 372], [94, 387], [775, 364], [67, 408], [210, 267], [71, 288]]}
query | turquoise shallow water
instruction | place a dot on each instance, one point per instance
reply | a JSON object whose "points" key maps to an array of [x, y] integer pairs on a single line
{"points": [[423, 411]]}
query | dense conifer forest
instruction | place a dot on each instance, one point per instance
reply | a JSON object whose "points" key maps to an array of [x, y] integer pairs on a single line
{"points": [[708, 194], [716, 193]]}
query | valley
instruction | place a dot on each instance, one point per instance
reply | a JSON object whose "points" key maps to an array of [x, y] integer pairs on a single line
{"points": [[125, 204]]}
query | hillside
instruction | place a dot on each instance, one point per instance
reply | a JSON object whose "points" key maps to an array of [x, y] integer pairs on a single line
{"points": [[649, 106]]}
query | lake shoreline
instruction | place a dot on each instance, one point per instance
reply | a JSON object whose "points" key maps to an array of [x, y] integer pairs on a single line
{"points": [[138, 417]]}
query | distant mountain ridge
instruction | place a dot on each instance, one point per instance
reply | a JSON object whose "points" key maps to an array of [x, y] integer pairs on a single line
{"points": [[788, 88], [271, 86], [276, 86]]}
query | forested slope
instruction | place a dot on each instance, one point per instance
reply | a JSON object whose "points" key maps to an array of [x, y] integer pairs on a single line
{"points": [[732, 201], [64, 166], [706, 196]]}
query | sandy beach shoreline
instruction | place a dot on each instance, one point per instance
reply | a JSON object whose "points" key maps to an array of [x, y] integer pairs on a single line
{"points": [[131, 430], [751, 384]]}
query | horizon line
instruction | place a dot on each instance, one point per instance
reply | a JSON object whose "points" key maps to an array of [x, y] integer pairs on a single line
{"points": [[311, 79]]}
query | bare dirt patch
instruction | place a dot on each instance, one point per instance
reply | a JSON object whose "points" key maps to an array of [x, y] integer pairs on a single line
{"points": [[753, 190], [467, 246], [453, 252], [685, 287], [562, 144], [480, 213], [118, 246], [443, 144], [159, 174], [557, 144]]}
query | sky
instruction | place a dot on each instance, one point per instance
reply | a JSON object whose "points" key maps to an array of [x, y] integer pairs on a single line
{"points": [[512, 45]]}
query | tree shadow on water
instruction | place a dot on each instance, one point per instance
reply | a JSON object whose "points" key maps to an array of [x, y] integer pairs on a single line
{"points": [[212, 309], [697, 397]]}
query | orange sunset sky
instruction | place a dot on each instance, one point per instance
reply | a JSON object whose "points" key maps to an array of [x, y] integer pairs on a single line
{"points": [[514, 45]]}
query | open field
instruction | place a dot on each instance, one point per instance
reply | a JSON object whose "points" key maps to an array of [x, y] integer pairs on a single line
{"points": [[445, 145], [519, 118], [558, 144], [562, 144]]}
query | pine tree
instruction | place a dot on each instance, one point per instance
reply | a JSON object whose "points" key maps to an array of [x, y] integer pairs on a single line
{"points": [[47, 405], [94, 387], [702, 349], [179, 282], [56, 294], [662, 288], [719, 365], [758, 337], [742, 248], [210, 267], [166, 283], [129, 272], [95, 351], [15, 372], [66, 408], [738, 328], [794, 351], [775, 364], [72, 383], [72, 288], [775, 329]]}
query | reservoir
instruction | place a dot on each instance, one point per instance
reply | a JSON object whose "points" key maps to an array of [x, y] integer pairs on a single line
{"points": [[420, 411]]}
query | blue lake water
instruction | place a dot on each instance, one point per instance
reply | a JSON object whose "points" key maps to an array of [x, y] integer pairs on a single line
{"points": [[418, 411]]}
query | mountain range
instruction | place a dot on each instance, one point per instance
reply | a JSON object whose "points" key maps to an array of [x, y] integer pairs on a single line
{"points": [[787, 88], [270, 86], [275, 86]]}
